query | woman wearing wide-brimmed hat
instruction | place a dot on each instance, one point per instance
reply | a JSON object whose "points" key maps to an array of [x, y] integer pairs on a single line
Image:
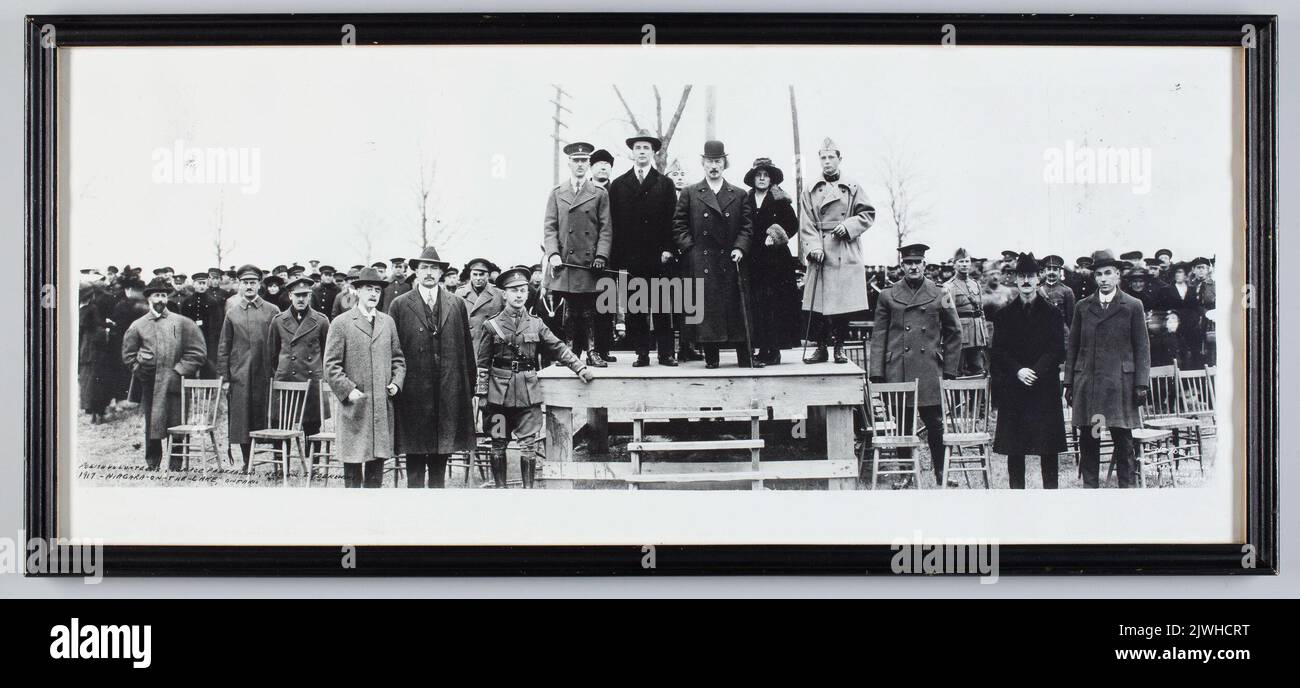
{"points": [[772, 277]]}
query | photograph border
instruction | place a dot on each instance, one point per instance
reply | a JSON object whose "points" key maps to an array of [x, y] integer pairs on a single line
{"points": [[42, 379]]}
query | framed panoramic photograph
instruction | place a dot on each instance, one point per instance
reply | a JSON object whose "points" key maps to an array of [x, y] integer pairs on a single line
{"points": [[640, 294]]}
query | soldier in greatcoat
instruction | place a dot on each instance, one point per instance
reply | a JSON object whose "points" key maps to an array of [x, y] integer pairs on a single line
{"points": [[242, 359], [482, 298], [208, 310], [296, 343]]}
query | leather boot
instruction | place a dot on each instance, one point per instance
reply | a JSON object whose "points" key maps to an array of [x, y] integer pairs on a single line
{"points": [[839, 352], [499, 467], [819, 355], [527, 470]]}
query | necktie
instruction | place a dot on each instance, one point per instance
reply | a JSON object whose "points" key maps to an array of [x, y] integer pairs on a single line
{"points": [[640, 176]]}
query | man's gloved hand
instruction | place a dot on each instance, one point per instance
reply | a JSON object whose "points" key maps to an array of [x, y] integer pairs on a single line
{"points": [[877, 379], [816, 255], [599, 263], [1141, 393]]}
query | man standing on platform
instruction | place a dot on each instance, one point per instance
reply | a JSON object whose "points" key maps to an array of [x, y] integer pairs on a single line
{"points": [[1107, 371], [242, 360], [641, 203], [435, 415], [835, 212], [578, 237], [965, 294], [711, 228], [917, 336]]}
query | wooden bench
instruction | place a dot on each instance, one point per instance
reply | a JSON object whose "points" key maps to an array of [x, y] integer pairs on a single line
{"points": [[637, 447]]}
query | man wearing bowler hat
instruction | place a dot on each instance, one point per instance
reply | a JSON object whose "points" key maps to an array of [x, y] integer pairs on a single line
{"points": [[641, 205], [917, 336], [435, 409], [1107, 370], [711, 229], [578, 236], [242, 359], [296, 344]]}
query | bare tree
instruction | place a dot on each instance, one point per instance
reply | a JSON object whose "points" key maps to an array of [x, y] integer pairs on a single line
{"points": [[367, 228], [219, 244], [666, 136], [906, 194], [423, 192]]}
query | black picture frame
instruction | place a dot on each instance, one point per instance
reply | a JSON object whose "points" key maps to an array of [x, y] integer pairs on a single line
{"points": [[41, 514]]}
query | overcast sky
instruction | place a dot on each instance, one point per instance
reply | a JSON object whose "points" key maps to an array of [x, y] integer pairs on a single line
{"points": [[341, 134]]}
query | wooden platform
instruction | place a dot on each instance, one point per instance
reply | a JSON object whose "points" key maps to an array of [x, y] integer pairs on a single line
{"points": [[824, 393]]}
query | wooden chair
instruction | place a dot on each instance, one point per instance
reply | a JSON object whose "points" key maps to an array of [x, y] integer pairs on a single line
{"points": [[968, 436], [1197, 391], [320, 446], [286, 403], [1163, 410], [893, 429], [200, 405], [477, 457], [1152, 448]]}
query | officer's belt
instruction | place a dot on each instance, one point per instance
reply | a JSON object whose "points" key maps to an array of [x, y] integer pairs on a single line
{"points": [[973, 315], [508, 365]]}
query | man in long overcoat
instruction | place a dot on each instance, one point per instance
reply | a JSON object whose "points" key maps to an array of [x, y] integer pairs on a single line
{"points": [[916, 336], [1024, 362], [435, 415], [296, 343], [578, 236], [365, 367], [242, 359], [712, 229], [835, 212], [159, 349], [482, 298], [208, 310], [1107, 370], [641, 203]]}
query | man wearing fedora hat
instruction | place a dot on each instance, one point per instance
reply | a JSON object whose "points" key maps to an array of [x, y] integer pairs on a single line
{"points": [[435, 409], [1107, 370], [641, 205], [365, 368], [711, 228], [242, 359], [159, 349], [296, 345], [577, 237], [835, 211]]}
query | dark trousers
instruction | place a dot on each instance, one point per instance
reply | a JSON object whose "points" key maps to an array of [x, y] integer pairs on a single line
{"points": [[604, 323], [153, 450], [973, 359], [1016, 470], [416, 465], [1122, 455], [368, 474], [830, 328], [932, 419], [580, 321], [638, 332], [712, 353]]}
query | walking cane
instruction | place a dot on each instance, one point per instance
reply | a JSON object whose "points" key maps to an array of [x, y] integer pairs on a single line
{"points": [[744, 313], [812, 303]]}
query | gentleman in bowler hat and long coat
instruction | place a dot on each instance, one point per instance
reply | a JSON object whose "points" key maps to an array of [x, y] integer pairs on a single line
{"points": [[917, 336], [365, 367], [1025, 358], [243, 361], [1107, 370], [578, 237], [435, 409], [712, 229]]}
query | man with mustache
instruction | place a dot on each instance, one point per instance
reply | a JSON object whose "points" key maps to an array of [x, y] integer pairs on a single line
{"points": [[297, 346], [159, 349], [964, 291]]}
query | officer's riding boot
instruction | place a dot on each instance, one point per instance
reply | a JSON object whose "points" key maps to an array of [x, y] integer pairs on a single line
{"points": [[593, 357], [499, 466], [527, 467]]}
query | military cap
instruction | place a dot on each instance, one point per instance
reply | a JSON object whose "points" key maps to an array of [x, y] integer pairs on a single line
{"points": [[315, 276], [487, 265], [829, 145], [352, 274], [231, 273], [357, 268], [513, 276], [1152, 262], [280, 268], [1164, 252], [1131, 255], [579, 150], [327, 270], [1010, 255], [397, 261], [249, 271], [602, 155], [378, 264], [296, 269], [451, 270], [1201, 260], [1083, 262], [1053, 261], [112, 268], [200, 276], [1136, 275], [960, 254], [159, 271], [646, 136], [300, 284], [912, 251]]}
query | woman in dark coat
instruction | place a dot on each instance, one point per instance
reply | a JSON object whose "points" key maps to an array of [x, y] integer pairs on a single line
{"points": [[772, 278], [1025, 357], [95, 356]]}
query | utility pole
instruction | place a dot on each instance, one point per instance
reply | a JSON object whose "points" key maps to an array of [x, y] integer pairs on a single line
{"points": [[559, 141]]}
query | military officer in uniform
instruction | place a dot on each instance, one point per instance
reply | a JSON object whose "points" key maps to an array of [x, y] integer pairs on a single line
{"points": [[965, 294], [1055, 290], [578, 237], [296, 347], [208, 310], [506, 354], [1080, 280], [917, 336], [482, 299]]}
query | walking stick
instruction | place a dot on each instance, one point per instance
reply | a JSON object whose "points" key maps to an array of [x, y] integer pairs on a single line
{"points": [[744, 313], [812, 303]]}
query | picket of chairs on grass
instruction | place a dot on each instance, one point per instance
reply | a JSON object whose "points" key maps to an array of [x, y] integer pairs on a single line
{"points": [[200, 406], [286, 404]]}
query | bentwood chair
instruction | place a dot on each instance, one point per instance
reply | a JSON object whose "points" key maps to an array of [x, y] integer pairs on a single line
{"points": [[320, 446], [967, 436], [286, 404], [200, 405], [892, 422]]}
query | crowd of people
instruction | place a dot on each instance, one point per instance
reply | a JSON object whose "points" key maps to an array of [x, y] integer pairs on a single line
{"points": [[407, 345]]}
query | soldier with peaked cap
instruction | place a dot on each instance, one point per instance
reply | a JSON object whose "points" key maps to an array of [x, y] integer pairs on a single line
{"points": [[482, 298], [1203, 282], [242, 359], [577, 237], [1107, 371], [207, 309], [917, 336], [964, 291], [160, 348], [712, 229], [435, 414], [1054, 288], [506, 352], [365, 368], [399, 284], [325, 291], [834, 213], [347, 296], [296, 347], [1080, 279]]}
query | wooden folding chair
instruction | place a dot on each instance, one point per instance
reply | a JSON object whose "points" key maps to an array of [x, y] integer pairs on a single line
{"points": [[320, 446], [893, 429], [286, 404], [967, 437], [200, 405]]}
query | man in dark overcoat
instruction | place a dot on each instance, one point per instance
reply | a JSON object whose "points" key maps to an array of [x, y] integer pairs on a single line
{"points": [[1107, 371], [208, 310], [1025, 360], [296, 343], [712, 229], [435, 414]]}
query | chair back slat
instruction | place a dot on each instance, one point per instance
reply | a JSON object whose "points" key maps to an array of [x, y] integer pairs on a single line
{"points": [[966, 404], [893, 408], [1196, 393], [1163, 394], [288, 403], [200, 401], [329, 408]]}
